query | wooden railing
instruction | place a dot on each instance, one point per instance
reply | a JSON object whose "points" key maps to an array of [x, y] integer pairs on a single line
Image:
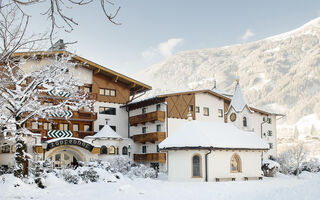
{"points": [[150, 137], [150, 157], [147, 117], [82, 115]]}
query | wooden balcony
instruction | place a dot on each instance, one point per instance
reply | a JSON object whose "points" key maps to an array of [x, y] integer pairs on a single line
{"points": [[150, 157], [147, 117], [84, 116], [150, 137]]}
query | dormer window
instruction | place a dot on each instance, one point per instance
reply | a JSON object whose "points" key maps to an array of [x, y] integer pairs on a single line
{"points": [[245, 122]]}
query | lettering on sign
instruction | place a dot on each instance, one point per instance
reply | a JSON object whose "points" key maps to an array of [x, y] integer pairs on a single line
{"points": [[78, 143]]}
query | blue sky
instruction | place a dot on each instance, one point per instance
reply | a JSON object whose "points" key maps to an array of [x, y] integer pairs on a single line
{"points": [[154, 30]]}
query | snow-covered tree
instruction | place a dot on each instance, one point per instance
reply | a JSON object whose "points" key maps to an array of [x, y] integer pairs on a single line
{"points": [[291, 160], [24, 89]]}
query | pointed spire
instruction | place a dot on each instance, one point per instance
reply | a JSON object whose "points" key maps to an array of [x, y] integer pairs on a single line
{"points": [[238, 102]]}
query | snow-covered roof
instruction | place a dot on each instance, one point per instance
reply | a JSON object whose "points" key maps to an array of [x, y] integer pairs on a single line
{"points": [[212, 135], [238, 102], [105, 132]]}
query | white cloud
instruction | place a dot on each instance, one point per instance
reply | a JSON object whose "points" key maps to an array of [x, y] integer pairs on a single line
{"points": [[164, 49], [248, 34]]}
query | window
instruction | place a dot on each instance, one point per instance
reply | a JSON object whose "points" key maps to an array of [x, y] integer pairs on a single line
{"points": [[191, 108], [87, 89], [47, 126], [144, 129], [264, 119], [107, 92], [87, 127], [270, 146], [197, 109], [144, 149], [124, 150], [103, 150], [107, 110], [220, 113], [63, 127], [196, 166], [158, 107], [235, 163], [5, 148], [112, 150], [269, 133], [205, 111], [269, 120], [144, 110], [158, 127], [75, 127], [114, 128], [158, 150], [34, 125], [57, 157], [244, 121]]}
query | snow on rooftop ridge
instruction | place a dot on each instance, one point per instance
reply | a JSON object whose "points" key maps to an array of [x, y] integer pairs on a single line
{"points": [[106, 132], [213, 134], [238, 101]]}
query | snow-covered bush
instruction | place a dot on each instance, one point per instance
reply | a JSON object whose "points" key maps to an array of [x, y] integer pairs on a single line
{"points": [[312, 165], [6, 170], [291, 160], [120, 164], [70, 176], [141, 171], [89, 175], [270, 168]]}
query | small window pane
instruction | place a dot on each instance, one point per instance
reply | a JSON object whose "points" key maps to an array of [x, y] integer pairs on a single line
{"points": [[34, 125], [113, 93], [196, 166], [101, 91], [75, 127], [57, 157], [206, 111], [220, 113]]}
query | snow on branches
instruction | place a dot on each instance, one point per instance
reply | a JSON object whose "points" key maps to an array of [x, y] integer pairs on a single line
{"points": [[33, 89]]}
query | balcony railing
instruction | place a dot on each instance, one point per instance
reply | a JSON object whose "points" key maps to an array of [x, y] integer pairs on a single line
{"points": [[147, 117], [87, 116], [150, 157], [150, 137]]}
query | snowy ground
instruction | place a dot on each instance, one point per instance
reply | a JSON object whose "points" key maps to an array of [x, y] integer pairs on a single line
{"points": [[281, 187]]}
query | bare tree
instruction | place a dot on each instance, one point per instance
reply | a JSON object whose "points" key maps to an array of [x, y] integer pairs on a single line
{"points": [[24, 91], [291, 159], [13, 32], [56, 11]]}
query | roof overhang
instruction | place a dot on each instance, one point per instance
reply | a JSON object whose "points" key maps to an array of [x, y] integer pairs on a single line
{"points": [[211, 148], [135, 86]]}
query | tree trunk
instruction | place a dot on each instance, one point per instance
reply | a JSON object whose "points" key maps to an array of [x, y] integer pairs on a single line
{"points": [[19, 158]]}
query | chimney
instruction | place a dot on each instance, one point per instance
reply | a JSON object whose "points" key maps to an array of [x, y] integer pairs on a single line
{"points": [[59, 45]]}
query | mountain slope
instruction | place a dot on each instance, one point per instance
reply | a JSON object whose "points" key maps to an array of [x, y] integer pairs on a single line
{"points": [[281, 73]]}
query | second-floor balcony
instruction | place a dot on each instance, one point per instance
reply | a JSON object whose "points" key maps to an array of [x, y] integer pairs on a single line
{"points": [[147, 117], [150, 157], [75, 115], [150, 137]]}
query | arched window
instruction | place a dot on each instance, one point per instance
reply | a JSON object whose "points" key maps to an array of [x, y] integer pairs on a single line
{"points": [[112, 150], [245, 122], [235, 163], [103, 150], [124, 150], [196, 166]]}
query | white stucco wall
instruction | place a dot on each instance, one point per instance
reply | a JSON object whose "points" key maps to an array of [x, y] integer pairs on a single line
{"points": [[120, 120], [213, 103], [180, 165], [80, 73]]}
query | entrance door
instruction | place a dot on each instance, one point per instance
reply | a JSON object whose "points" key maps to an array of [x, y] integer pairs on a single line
{"points": [[62, 159]]}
